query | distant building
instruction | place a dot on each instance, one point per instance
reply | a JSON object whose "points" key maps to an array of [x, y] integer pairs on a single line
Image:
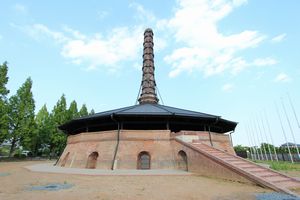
{"points": [[290, 144]]}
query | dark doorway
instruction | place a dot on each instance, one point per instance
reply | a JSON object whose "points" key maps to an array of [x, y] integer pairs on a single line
{"points": [[144, 160], [182, 161], [64, 161], [92, 160]]}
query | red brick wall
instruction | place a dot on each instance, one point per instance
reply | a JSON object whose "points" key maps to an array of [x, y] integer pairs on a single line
{"points": [[219, 141], [82, 145], [202, 165], [158, 143]]}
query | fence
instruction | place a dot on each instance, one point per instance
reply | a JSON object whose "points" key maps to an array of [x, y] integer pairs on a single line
{"points": [[281, 157]]}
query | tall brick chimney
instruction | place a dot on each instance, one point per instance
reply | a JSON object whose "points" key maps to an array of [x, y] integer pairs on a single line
{"points": [[148, 94]]}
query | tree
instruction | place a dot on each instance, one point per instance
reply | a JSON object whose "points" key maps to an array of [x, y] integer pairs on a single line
{"points": [[43, 129], [58, 117], [3, 102], [83, 111], [21, 116], [241, 150], [267, 147], [92, 112], [73, 111]]}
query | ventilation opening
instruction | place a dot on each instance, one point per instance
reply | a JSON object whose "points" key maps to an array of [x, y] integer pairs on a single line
{"points": [[92, 160], [182, 161], [144, 160]]}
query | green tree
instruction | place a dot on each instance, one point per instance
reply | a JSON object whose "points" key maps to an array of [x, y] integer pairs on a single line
{"points": [[240, 148], [92, 112], [83, 111], [3, 102], [73, 111], [43, 129], [59, 116], [267, 146], [21, 116], [241, 151]]}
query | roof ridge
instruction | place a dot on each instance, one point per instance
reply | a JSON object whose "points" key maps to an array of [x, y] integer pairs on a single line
{"points": [[127, 108], [112, 111], [160, 106], [192, 111]]}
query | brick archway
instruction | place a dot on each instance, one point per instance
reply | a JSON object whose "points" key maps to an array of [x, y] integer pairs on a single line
{"points": [[182, 160], [144, 160], [92, 160]]}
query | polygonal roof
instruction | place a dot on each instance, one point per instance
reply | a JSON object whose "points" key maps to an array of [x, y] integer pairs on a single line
{"points": [[146, 114]]}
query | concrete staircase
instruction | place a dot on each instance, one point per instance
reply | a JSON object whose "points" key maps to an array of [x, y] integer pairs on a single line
{"points": [[258, 174]]}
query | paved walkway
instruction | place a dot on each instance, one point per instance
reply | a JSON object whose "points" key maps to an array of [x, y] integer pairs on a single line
{"points": [[49, 168]]}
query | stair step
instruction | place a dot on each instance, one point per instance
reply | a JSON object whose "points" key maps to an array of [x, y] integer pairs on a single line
{"points": [[247, 164], [277, 179], [288, 184], [231, 159], [237, 163], [254, 170], [218, 153], [283, 181], [247, 167], [211, 151], [224, 157], [267, 174]]}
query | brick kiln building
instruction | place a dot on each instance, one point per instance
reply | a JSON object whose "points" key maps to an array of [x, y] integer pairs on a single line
{"points": [[141, 136], [154, 136]]}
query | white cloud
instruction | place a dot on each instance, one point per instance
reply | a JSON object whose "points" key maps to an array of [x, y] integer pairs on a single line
{"points": [[100, 50], [238, 64], [19, 8], [198, 45], [282, 77], [74, 33], [264, 61], [227, 87], [120, 44], [40, 32], [204, 47], [278, 38]]}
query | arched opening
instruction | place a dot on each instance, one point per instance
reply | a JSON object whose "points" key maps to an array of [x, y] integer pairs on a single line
{"points": [[92, 160], [64, 161], [182, 161], [144, 160]]}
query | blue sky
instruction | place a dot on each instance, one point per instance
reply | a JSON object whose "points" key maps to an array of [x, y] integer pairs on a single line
{"points": [[233, 58]]}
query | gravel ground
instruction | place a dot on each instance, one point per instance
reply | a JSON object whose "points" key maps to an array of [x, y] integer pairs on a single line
{"points": [[126, 187]]}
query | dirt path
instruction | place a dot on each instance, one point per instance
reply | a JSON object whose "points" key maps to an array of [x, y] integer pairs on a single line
{"points": [[14, 186]]}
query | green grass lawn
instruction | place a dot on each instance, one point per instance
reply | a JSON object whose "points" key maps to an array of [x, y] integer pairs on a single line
{"points": [[281, 165]]}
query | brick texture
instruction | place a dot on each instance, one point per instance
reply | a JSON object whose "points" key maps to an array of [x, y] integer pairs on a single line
{"points": [[160, 144]]}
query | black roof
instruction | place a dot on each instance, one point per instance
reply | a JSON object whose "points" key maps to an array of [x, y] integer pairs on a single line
{"points": [[148, 116]]}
